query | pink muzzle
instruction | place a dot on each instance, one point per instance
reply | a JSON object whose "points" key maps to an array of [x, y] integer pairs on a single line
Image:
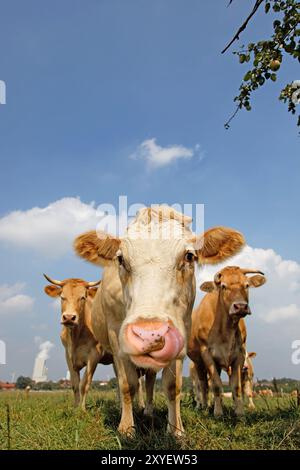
{"points": [[153, 343]]}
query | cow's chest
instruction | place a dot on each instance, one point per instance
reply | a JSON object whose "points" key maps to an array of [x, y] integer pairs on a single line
{"points": [[225, 353], [79, 357]]}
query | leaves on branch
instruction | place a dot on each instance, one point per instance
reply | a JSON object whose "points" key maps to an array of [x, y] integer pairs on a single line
{"points": [[267, 55]]}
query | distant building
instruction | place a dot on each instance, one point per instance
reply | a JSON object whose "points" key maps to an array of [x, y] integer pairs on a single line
{"points": [[7, 386], [40, 370]]}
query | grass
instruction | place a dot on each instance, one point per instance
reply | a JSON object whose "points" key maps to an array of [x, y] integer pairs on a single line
{"points": [[47, 420]]}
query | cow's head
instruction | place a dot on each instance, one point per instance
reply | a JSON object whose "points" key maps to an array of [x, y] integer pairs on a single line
{"points": [[248, 367], [156, 262], [73, 294], [233, 285]]}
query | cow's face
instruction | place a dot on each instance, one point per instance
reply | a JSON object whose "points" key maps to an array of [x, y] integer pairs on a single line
{"points": [[233, 286], [73, 294], [157, 277]]}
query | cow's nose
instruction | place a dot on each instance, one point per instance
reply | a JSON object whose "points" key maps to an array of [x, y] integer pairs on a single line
{"points": [[68, 317], [240, 307]]}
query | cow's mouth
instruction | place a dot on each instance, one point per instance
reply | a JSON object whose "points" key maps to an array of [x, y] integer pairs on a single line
{"points": [[69, 323], [145, 361]]}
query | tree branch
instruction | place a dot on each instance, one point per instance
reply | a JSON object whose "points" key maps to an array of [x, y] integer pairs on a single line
{"points": [[244, 25]]}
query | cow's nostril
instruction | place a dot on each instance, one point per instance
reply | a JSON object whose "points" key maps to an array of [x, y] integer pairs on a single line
{"points": [[73, 318]]}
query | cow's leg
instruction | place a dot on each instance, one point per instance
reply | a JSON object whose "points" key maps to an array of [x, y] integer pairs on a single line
{"points": [[117, 389], [172, 382], [201, 386], [140, 393], [87, 378], [128, 384], [75, 379], [247, 391], [236, 387], [150, 381], [215, 381]]}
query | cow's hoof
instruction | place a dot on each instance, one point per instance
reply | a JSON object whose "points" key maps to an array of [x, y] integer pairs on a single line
{"points": [[176, 432], [127, 431]]}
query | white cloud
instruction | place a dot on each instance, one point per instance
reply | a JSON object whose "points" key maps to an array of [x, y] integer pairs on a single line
{"points": [[277, 301], [12, 300], [282, 313], [157, 156], [50, 229]]}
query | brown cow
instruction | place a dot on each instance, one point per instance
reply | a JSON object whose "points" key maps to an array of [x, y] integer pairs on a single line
{"points": [[247, 379], [142, 311], [218, 336], [81, 347]]}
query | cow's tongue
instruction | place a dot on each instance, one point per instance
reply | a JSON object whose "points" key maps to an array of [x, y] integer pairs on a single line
{"points": [[172, 347]]}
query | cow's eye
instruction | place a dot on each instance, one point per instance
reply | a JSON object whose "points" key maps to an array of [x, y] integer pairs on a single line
{"points": [[189, 257], [247, 286], [223, 286]]}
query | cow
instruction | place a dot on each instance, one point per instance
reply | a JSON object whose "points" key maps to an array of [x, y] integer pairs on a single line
{"points": [[266, 392], [218, 335], [247, 379], [81, 347], [142, 310]]}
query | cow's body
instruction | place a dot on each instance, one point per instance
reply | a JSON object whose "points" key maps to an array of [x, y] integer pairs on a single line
{"points": [[218, 336], [142, 311], [82, 349]]}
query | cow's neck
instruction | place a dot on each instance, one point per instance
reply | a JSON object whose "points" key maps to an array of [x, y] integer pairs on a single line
{"points": [[226, 325], [76, 332]]}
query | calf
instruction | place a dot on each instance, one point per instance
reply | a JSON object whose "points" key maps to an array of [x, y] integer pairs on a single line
{"points": [[218, 335], [81, 347], [142, 311]]}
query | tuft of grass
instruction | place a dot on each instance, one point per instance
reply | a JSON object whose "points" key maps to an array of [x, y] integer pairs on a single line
{"points": [[48, 420]]}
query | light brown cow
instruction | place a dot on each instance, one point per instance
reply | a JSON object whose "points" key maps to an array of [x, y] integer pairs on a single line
{"points": [[247, 379], [266, 392], [142, 310], [218, 336], [81, 347]]}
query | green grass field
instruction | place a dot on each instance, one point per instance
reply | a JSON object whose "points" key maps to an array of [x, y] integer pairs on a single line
{"points": [[47, 420]]}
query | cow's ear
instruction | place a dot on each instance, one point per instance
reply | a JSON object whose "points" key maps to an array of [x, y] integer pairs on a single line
{"points": [[97, 247], [252, 355], [92, 291], [218, 244], [53, 291], [208, 286], [257, 280]]}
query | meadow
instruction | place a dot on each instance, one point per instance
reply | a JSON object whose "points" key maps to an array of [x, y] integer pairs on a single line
{"points": [[47, 420]]}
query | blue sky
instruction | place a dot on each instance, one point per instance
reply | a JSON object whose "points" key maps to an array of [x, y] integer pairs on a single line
{"points": [[87, 84]]}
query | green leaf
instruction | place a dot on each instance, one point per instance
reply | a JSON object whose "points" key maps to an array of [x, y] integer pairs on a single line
{"points": [[273, 77], [248, 76], [267, 7]]}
